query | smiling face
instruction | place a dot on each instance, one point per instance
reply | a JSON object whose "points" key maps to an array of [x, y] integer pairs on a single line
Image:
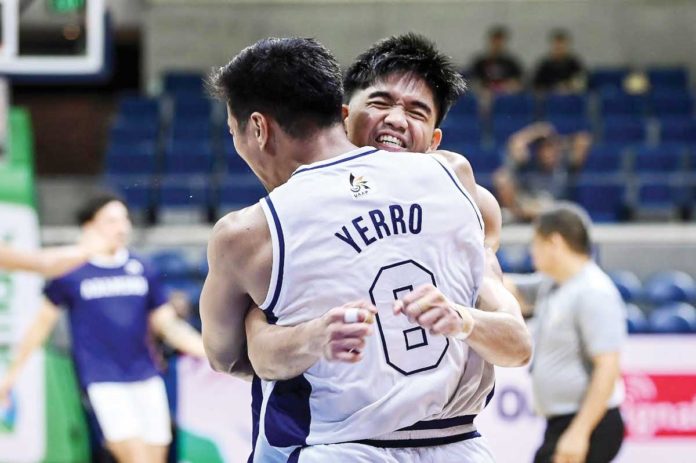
{"points": [[396, 113]]}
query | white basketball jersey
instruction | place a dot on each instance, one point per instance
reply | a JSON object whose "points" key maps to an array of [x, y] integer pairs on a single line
{"points": [[374, 225]]}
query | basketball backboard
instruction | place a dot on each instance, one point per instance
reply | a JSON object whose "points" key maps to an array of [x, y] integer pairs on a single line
{"points": [[75, 45]]}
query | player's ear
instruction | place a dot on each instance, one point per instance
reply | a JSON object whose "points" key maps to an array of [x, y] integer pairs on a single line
{"points": [[345, 112], [259, 128], [435, 141]]}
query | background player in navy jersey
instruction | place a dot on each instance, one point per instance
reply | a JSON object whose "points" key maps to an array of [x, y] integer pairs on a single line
{"points": [[113, 301], [279, 123]]}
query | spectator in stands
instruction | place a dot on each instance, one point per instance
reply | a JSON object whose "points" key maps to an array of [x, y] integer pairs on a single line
{"points": [[496, 69], [539, 168], [113, 301], [579, 332], [560, 70]]}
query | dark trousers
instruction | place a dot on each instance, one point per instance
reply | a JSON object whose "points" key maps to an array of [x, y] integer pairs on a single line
{"points": [[605, 440]]}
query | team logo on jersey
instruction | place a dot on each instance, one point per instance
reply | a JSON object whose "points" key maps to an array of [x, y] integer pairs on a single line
{"points": [[133, 267], [358, 186]]}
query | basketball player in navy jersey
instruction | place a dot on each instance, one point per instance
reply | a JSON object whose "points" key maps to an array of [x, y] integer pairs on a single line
{"points": [[113, 301], [284, 113]]}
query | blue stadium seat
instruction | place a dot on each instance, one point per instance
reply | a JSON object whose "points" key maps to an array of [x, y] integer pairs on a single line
{"points": [[665, 158], [605, 202], [636, 321], [678, 130], [191, 129], [605, 158], [668, 78], [623, 130], [460, 130], [673, 318], [607, 78], [138, 106], [504, 126], [484, 161], [465, 106], [672, 286], [177, 194], [131, 163], [671, 103], [565, 105], [183, 82], [171, 264], [190, 157], [192, 107], [134, 132], [239, 191], [628, 284], [660, 194], [518, 104], [137, 191], [565, 125], [622, 104]]}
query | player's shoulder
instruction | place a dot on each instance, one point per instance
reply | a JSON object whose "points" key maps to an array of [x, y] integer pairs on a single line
{"points": [[457, 162], [238, 231]]}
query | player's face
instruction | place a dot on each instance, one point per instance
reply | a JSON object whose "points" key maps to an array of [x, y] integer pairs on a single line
{"points": [[397, 113], [113, 224]]}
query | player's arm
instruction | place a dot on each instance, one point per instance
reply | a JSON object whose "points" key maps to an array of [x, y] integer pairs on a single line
{"points": [[500, 335], [225, 299], [49, 262], [55, 261], [284, 352], [175, 331], [575, 441], [35, 337]]}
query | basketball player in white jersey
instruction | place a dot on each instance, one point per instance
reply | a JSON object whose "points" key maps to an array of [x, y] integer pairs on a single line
{"points": [[397, 94], [396, 222]]}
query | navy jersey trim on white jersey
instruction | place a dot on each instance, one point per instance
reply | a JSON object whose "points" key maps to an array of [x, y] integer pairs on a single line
{"points": [[456, 183], [440, 424], [350, 158], [427, 442], [281, 263]]}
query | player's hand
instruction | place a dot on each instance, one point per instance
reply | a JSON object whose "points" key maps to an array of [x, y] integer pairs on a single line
{"points": [[572, 447], [345, 330], [430, 309]]}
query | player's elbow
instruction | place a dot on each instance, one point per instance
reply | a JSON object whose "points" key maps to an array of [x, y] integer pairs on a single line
{"points": [[522, 353]]}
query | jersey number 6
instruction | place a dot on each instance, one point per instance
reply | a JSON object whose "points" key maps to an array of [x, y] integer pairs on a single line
{"points": [[407, 347]]}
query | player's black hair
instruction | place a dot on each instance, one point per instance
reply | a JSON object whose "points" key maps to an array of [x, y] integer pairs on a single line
{"points": [[498, 32], [90, 209], [404, 54], [296, 81], [559, 34], [571, 222]]}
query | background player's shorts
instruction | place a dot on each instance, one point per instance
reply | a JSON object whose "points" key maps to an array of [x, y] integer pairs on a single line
{"points": [[132, 410], [467, 451]]}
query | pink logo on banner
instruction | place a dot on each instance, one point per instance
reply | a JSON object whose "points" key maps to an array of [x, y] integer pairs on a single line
{"points": [[659, 406]]}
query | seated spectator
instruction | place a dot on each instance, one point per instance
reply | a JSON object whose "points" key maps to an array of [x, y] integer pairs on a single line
{"points": [[538, 170], [560, 70], [496, 69]]}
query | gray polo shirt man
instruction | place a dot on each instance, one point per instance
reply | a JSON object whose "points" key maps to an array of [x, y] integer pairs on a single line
{"points": [[581, 318]]}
